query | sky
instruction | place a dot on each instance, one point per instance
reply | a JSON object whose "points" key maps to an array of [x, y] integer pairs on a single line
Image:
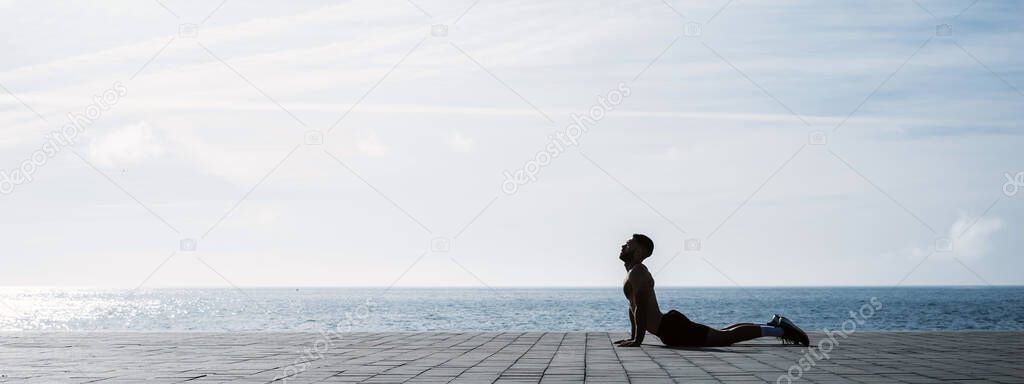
{"points": [[478, 143]]}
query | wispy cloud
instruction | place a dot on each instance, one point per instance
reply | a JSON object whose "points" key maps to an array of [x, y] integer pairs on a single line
{"points": [[461, 143], [972, 237], [126, 145]]}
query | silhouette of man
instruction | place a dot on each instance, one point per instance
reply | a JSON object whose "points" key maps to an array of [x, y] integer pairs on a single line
{"points": [[673, 328]]}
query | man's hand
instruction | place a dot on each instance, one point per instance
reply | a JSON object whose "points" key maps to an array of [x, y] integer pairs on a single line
{"points": [[620, 342], [631, 343]]}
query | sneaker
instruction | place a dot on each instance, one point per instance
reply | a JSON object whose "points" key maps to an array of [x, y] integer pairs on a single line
{"points": [[793, 335], [775, 320]]}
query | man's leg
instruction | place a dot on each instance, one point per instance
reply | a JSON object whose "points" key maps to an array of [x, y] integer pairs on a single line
{"points": [[739, 332], [738, 325]]}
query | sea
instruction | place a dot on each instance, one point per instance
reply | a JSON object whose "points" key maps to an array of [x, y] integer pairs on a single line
{"points": [[501, 309]]}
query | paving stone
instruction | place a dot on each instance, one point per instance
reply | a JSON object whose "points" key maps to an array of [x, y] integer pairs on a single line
{"points": [[510, 357]]}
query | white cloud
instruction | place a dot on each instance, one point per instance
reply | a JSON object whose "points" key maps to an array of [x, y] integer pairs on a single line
{"points": [[241, 166], [462, 143], [127, 145], [977, 240]]}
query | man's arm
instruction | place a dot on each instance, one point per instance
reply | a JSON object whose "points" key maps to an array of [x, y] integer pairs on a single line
{"points": [[632, 327], [640, 295], [640, 323], [632, 324]]}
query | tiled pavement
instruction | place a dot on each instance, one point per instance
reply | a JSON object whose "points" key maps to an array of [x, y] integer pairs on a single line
{"points": [[532, 357]]}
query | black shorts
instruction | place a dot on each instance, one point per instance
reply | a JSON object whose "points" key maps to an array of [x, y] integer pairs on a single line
{"points": [[678, 331]]}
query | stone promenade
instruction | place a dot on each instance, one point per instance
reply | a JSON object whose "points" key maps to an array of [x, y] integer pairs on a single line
{"points": [[513, 357]]}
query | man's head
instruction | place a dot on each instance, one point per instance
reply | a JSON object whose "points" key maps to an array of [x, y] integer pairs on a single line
{"points": [[636, 249]]}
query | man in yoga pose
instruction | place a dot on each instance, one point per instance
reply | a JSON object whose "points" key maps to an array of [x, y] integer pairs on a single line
{"points": [[673, 328]]}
